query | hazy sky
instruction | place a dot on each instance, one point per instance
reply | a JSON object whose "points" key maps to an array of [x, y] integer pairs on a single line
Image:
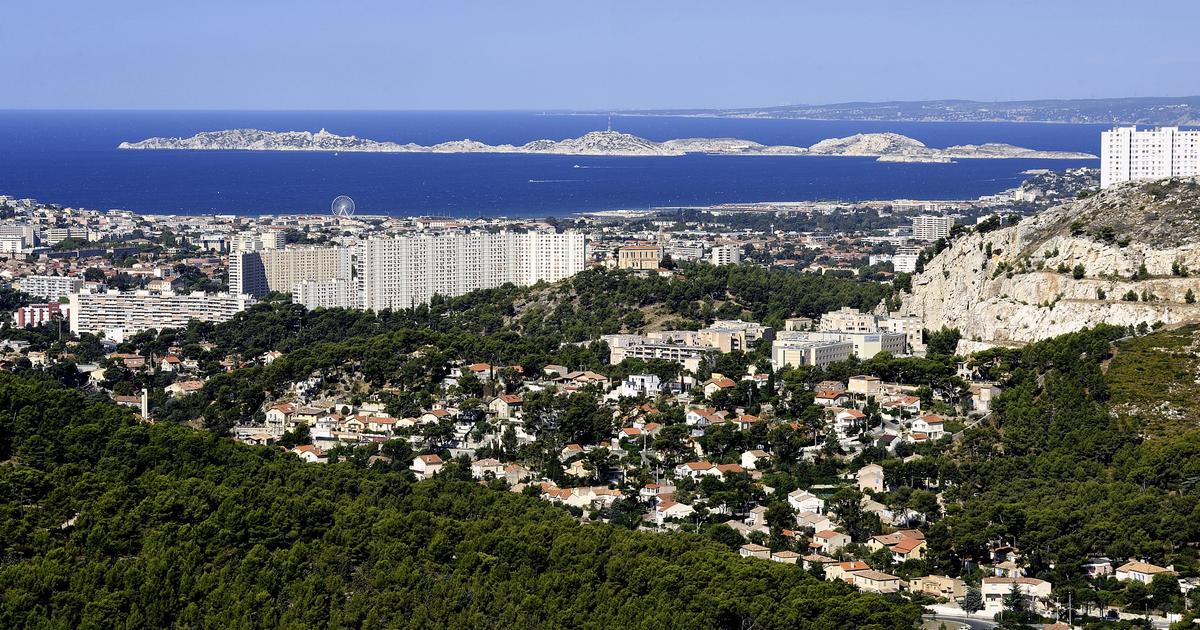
{"points": [[533, 54]]}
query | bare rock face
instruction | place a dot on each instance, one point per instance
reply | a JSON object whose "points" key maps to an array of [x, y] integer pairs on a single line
{"points": [[1136, 247]]}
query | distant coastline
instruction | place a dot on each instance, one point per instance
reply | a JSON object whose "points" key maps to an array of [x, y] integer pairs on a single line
{"points": [[890, 147], [1158, 110]]}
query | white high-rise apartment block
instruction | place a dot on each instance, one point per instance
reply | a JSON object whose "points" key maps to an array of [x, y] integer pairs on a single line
{"points": [[406, 271], [929, 227], [338, 293], [50, 288], [259, 272], [116, 314], [726, 255], [257, 241], [1127, 154], [905, 260]]}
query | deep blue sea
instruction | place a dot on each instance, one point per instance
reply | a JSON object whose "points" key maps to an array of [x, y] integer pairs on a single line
{"points": [[71, 158]]}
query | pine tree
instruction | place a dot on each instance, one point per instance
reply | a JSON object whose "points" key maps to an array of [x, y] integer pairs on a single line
{"points": [[973, 600]]}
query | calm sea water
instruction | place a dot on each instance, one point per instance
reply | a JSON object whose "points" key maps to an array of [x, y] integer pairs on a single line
{"points": [[70, 158]]}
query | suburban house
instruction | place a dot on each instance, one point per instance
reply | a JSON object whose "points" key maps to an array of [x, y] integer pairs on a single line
{"points": [[1143, 572], [804, 501], [996, 589], [279, 416], [846, 420], [870, 477], [426, 466], [751, 550], [875, 581], [310, 454], [786, 556], [668, 509], [515, 474], [505, 406], [813, 522], [750, 459], [380, 424], [696, 469], [828, 541], [864, 385], [183, 388], [939, 586], [905, 544], [480, 468], [932, 426], [830, 398], [716, 384], [835, 571]]}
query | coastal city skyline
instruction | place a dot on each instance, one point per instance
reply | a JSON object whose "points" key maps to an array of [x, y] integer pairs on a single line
{"points": [[674, 315]]}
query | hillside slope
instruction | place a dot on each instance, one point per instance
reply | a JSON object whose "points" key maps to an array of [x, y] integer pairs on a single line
{"points": [[1131, 246]]}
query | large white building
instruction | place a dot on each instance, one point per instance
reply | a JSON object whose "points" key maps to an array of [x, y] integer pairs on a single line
{"points": [[337, 293], [931, 227], [117, 314], [259, 272], [257, 241], [863, 345], [1127, 154], [405, 271], [817, 352], [848, 319], [726, 254], [50, 287]]}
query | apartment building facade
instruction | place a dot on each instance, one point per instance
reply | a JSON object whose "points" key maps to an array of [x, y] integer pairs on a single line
{"points": [[50, 287], [1130, 154], [117, 314]]}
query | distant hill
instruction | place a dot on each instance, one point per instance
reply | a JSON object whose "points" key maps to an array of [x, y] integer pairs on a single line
{"points": [[1159, 110]]}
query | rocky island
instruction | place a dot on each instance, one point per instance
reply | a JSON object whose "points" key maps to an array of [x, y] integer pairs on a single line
{"points": [[885, 146]]}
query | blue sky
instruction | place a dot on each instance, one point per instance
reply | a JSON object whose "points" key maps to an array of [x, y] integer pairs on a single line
{"points": [[533, 54]]}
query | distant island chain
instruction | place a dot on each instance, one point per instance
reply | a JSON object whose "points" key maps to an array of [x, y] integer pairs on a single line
{"points": [[884, 146]]}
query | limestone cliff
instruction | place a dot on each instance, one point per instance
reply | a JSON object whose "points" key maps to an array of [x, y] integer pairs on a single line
{"points": [[1136, 245]]}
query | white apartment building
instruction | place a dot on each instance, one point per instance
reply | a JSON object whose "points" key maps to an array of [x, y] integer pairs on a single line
{"points": [[1127, 154], [728, 335], [17, 238], [622, 347], [259, 272], [847, 319], [726, 255], [337, 293], [929, 227], [405, 271], [911, 326], [863, 345], [686, 250], [798, 352], [257, 241], [905, 260], [50, 288], [116, 314]]}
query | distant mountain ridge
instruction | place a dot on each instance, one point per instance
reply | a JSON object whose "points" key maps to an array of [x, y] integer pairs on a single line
{"points": [[885, 146], [1156, 110]]}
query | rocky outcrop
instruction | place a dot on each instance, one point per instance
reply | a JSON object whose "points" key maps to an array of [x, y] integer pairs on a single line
{"points": [[1136, 247], [884, 145]]}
